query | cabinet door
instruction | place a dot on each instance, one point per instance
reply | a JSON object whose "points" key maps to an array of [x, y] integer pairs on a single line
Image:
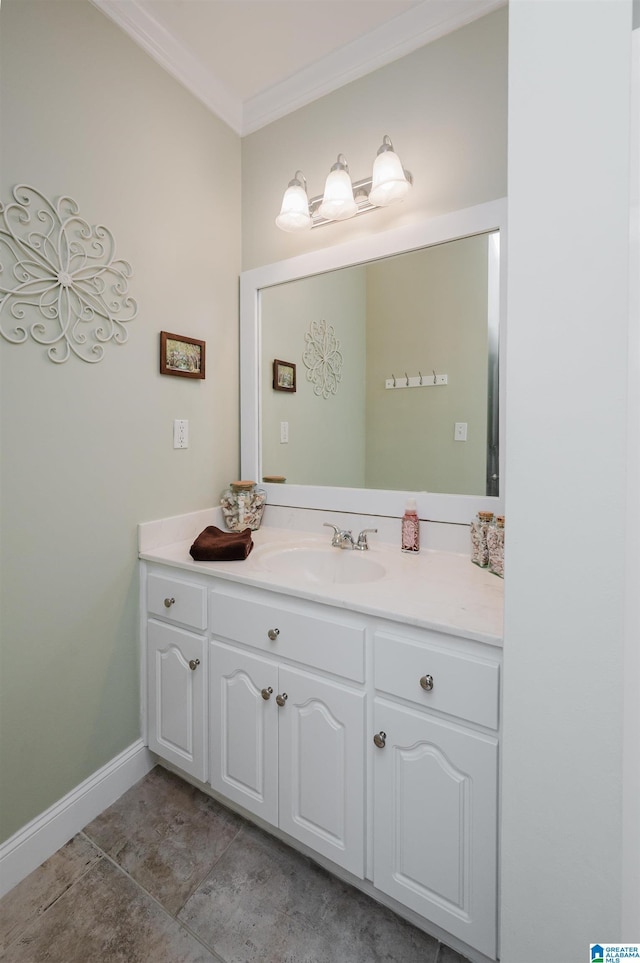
{"points": [[435, 822], [177, 681], [321, 736], [244, 729]]}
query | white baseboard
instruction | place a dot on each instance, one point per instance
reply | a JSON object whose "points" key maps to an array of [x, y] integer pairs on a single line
{"points": [[45, 834]]}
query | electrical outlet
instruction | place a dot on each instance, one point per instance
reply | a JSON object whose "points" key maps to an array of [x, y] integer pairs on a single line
{"points": [[284, 432], [180, 433], [460, 431]]}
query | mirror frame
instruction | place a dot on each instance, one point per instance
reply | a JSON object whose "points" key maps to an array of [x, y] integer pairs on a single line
{"points": [[424, 232]]}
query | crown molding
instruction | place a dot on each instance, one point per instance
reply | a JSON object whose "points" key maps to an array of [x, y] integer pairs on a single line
{"points": [[390, 41], [137, 20]]}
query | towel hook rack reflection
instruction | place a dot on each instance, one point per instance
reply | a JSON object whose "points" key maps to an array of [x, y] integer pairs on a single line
{"points": [[417, 381]]}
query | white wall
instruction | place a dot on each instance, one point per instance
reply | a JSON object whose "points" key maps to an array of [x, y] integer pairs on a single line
{"points": [[87, 448], [631, 747], [566, 496]]}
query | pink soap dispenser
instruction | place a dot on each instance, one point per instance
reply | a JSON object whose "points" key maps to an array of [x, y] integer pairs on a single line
{"points": [[410, 528]]}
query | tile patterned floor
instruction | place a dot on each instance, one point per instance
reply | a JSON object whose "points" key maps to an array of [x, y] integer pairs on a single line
{"points": [[167, 875]]}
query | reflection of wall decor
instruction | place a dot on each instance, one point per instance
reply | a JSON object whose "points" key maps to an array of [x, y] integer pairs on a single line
{"points": [[284, 376], [322, 358], [180, 356], [63, 273]]}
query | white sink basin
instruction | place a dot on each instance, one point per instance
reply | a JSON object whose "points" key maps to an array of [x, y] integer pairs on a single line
{"points": [[322, 565]]}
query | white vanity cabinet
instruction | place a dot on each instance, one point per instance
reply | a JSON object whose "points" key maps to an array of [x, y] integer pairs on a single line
{"points": [[436, 782], [176, 660], [286, 743], [274, 700]]}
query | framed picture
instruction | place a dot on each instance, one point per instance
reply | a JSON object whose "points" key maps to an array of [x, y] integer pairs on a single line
{"points": [[180, 356], [284, 375]]}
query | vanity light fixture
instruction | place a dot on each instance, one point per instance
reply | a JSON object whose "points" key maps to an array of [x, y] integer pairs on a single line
{"points": [[390, 181], [294, 214], [343, 198], [338, 202]]}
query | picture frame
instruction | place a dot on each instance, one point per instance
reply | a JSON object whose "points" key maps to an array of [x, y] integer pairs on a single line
{"points": [[182, 357], [284, 375]]}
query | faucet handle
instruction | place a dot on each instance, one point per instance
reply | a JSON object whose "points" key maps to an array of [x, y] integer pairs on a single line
{"points": [[362, 537], [335, 540]]}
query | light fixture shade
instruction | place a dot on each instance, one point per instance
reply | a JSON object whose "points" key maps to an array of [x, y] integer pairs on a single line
{"points": [[389, 182], [294, 214], [338, 202]]}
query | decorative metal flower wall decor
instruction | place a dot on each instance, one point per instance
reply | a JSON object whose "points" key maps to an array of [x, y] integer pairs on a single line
{"points": [[58, 269], [322, 358]]}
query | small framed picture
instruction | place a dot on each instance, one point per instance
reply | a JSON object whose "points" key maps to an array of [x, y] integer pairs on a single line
{"points": [[180, 356], [284, 375]]}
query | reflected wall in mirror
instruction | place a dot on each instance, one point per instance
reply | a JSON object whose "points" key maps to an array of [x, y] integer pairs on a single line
{"points": [[427, 311], [343, 444]]}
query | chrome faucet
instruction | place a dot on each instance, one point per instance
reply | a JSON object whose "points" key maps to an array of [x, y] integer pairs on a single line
{"points": [[344, 539], [341, 537]]}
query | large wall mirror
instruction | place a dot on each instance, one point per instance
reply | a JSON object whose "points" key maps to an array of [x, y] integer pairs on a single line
{"points": [[395, 339]]}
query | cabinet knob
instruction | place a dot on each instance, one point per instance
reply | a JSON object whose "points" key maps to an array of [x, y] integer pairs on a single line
{"points": [[193, 664], [273, 634], [380, 739], [168, 603], [267, 693], [281, 699], [427, 682]]}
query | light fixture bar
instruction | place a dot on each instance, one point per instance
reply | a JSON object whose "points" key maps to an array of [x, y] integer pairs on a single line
{"points": [[361, 191], [342, 198]]}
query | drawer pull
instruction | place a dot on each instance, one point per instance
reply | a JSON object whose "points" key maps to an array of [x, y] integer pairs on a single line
{"points": [[193, 664], [380, 739], [273, 634], [281, 699], [267, 693], [168, 603], [427, 682]]}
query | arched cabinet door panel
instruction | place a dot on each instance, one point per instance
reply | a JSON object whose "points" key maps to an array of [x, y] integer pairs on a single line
{"points": [[435, 827], [177, 687], [322, 767], [244, 729]]}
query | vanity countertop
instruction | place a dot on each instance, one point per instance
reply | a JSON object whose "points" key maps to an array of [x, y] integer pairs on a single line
{"points": [[434, 590]]}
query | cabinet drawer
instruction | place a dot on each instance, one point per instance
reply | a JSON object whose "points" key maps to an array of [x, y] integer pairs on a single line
{"points": [[462, 686], [322, 643], [177, 601]]}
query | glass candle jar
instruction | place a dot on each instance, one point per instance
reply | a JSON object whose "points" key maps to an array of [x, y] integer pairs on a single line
{"points": [[242, 505], [479, 530], [495, 544]]}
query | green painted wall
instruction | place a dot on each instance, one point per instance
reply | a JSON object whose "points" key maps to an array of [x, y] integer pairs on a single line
{"points": [[428, 310], [87, 449], [326, 435]]}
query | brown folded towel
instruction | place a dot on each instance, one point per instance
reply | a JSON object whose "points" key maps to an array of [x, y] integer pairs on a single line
{"points": [[214, 545]]}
